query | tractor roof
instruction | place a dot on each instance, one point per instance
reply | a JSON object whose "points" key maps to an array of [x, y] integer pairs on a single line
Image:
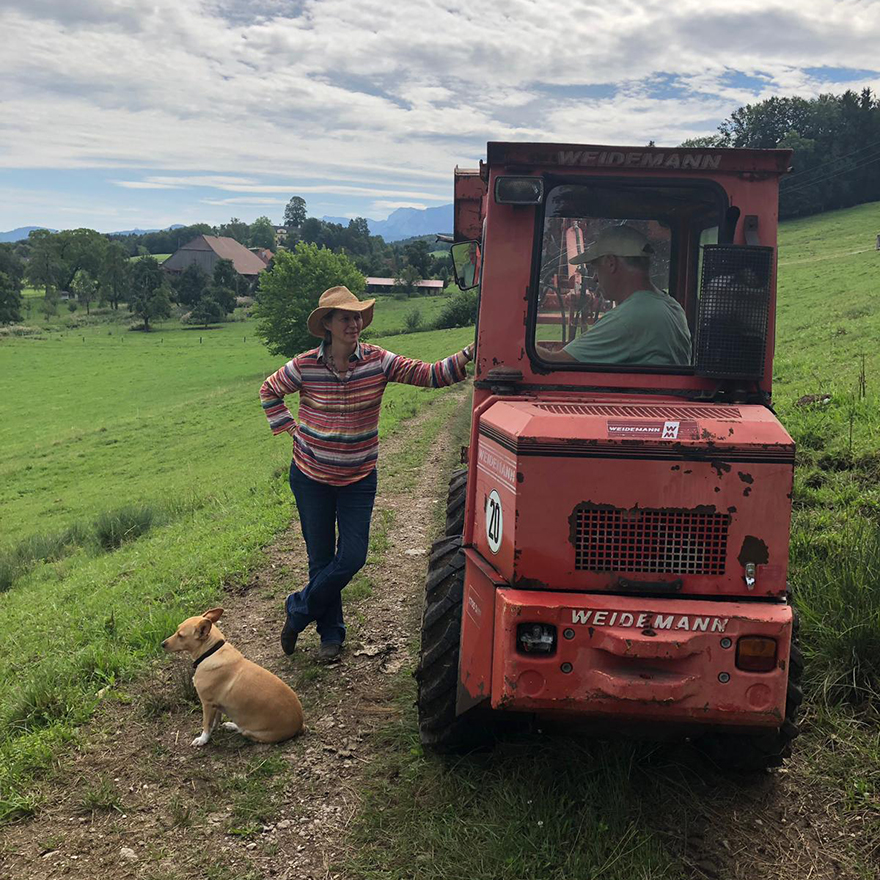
{"points": [[641, 158]]}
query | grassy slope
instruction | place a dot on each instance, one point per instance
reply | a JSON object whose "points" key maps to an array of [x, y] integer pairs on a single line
{"points": [[390, 313], [828, 327], [94, 425]]}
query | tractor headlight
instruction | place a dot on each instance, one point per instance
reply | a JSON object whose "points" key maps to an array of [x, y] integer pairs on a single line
{"points": [[519, 190]]}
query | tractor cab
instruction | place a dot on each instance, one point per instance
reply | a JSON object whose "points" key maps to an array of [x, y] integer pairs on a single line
{"points": [[617, 547]]}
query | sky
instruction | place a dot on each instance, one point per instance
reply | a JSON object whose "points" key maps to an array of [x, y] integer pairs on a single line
{"points": [[142, 113]]}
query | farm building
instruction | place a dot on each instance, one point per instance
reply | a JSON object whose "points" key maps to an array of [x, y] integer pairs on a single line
{"points": [[386, 285], [208, 250], [263, 253]]}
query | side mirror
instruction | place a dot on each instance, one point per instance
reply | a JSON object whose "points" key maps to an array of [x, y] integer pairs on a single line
{"points": [[466, 264]]}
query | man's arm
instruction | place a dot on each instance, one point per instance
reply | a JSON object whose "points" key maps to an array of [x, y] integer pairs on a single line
{"points": [[559, 356]]}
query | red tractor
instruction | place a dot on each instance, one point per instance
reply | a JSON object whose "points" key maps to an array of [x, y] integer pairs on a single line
{"points": [[616, 549]]}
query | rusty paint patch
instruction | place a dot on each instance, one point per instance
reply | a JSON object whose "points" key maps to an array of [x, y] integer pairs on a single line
{"points": [[746, 478], [753, 550], [524, 583], [720, 467]]}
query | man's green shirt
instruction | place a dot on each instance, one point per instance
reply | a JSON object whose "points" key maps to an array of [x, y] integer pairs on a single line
{"points": [[648, 328]]}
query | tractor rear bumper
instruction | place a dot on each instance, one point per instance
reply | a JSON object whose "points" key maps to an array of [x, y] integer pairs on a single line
{"points": [[666, 660]]}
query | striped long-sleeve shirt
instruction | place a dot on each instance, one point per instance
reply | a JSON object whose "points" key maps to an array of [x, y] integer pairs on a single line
{"points": [[337, 438]]}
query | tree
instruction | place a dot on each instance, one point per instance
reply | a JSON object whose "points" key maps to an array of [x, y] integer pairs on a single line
{"points": [[295, 212], [190, 285], [237, 229], [11, 277], [290, 290], [43, 268], [207, 311], [59, 256], [834, 138], [225, 275], [418, 255], [223, 296], [407, 280], [85, 288], [115, 273], [149, 294], [262, 234]]}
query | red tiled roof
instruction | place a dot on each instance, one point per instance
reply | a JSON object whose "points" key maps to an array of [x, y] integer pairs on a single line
{"points": [[245, 262], [388, 282]]}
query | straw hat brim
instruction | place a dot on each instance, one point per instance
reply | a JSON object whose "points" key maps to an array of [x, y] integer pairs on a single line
{"points": [[316, 328]]}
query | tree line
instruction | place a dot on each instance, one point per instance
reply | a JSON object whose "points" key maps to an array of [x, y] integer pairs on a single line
{"points": [[836, 143], [82, 266]]}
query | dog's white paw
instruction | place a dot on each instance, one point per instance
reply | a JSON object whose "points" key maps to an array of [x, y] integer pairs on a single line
{"points": [[230, 725], [200, 740]]}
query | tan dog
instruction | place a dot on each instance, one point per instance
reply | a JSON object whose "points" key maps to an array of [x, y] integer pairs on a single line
{"points": [[261, 705]]}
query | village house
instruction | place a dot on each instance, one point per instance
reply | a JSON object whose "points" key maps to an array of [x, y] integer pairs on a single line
{"points": [[207, 250]]}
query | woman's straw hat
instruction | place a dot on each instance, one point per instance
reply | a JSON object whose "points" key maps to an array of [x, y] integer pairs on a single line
{"points": [[338, 298]]}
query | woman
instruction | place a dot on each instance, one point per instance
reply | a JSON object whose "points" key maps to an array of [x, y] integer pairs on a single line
{"points": [[335, 448]]}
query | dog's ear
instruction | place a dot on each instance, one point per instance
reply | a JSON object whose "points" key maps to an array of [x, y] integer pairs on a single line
{"points": [[203, 629], [214, 614]]}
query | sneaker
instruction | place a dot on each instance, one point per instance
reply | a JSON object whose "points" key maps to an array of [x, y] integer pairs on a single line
{"points": [[329, 651], [288, 638]]}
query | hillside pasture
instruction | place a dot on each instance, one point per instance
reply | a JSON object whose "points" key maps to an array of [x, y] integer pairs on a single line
{"points": [[170, 423], [389, 315]]}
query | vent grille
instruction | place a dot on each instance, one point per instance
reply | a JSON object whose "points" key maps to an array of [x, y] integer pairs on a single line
{"points": [[650, 541], [641, 412], [733, 313]]}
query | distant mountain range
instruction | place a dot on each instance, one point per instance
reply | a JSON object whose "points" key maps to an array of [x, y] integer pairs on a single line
{"points": [[144, 231], [402, 223], [24, 231], [407, 222], [20, 233]]}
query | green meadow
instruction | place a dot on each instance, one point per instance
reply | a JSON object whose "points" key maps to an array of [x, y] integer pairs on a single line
{"points": [[109, 435], [161, 434]]}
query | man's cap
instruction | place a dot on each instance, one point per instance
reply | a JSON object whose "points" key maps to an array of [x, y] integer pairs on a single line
{"points": [[619, 241]]}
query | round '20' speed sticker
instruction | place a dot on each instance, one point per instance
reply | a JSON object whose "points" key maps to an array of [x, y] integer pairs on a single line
{"points": [[494, 521]]}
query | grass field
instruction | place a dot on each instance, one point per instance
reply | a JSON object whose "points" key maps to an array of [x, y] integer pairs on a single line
{"points": [[163, 421], [390, 313], [828, 327], [160, 257], [102, 417]]}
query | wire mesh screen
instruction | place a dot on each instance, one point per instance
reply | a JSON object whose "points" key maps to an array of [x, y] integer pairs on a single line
{"points": [[650, 541], [733, 312]]}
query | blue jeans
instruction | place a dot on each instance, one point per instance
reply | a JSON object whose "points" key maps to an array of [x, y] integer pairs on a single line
{"points": [[332, 563]]}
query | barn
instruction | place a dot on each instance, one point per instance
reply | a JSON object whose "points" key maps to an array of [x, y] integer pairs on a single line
{"points": [[389, 285], [208, 250]]}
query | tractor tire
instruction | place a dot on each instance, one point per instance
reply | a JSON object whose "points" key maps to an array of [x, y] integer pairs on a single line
{"points": [[440, 730], [455, 502], [743, 752]]}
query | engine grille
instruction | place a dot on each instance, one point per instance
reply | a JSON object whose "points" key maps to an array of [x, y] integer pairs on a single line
{"points": [[641, 411], [650, 541]]}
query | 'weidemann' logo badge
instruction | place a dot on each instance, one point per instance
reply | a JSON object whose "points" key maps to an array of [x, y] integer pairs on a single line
{"points": [[683, 622]]}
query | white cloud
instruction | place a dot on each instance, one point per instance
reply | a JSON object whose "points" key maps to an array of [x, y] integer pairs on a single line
{"points": [[143, 184], [244, 201], [249, 97]]}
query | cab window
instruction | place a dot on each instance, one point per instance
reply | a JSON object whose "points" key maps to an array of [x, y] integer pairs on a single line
{"points": [[618, 269]]}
